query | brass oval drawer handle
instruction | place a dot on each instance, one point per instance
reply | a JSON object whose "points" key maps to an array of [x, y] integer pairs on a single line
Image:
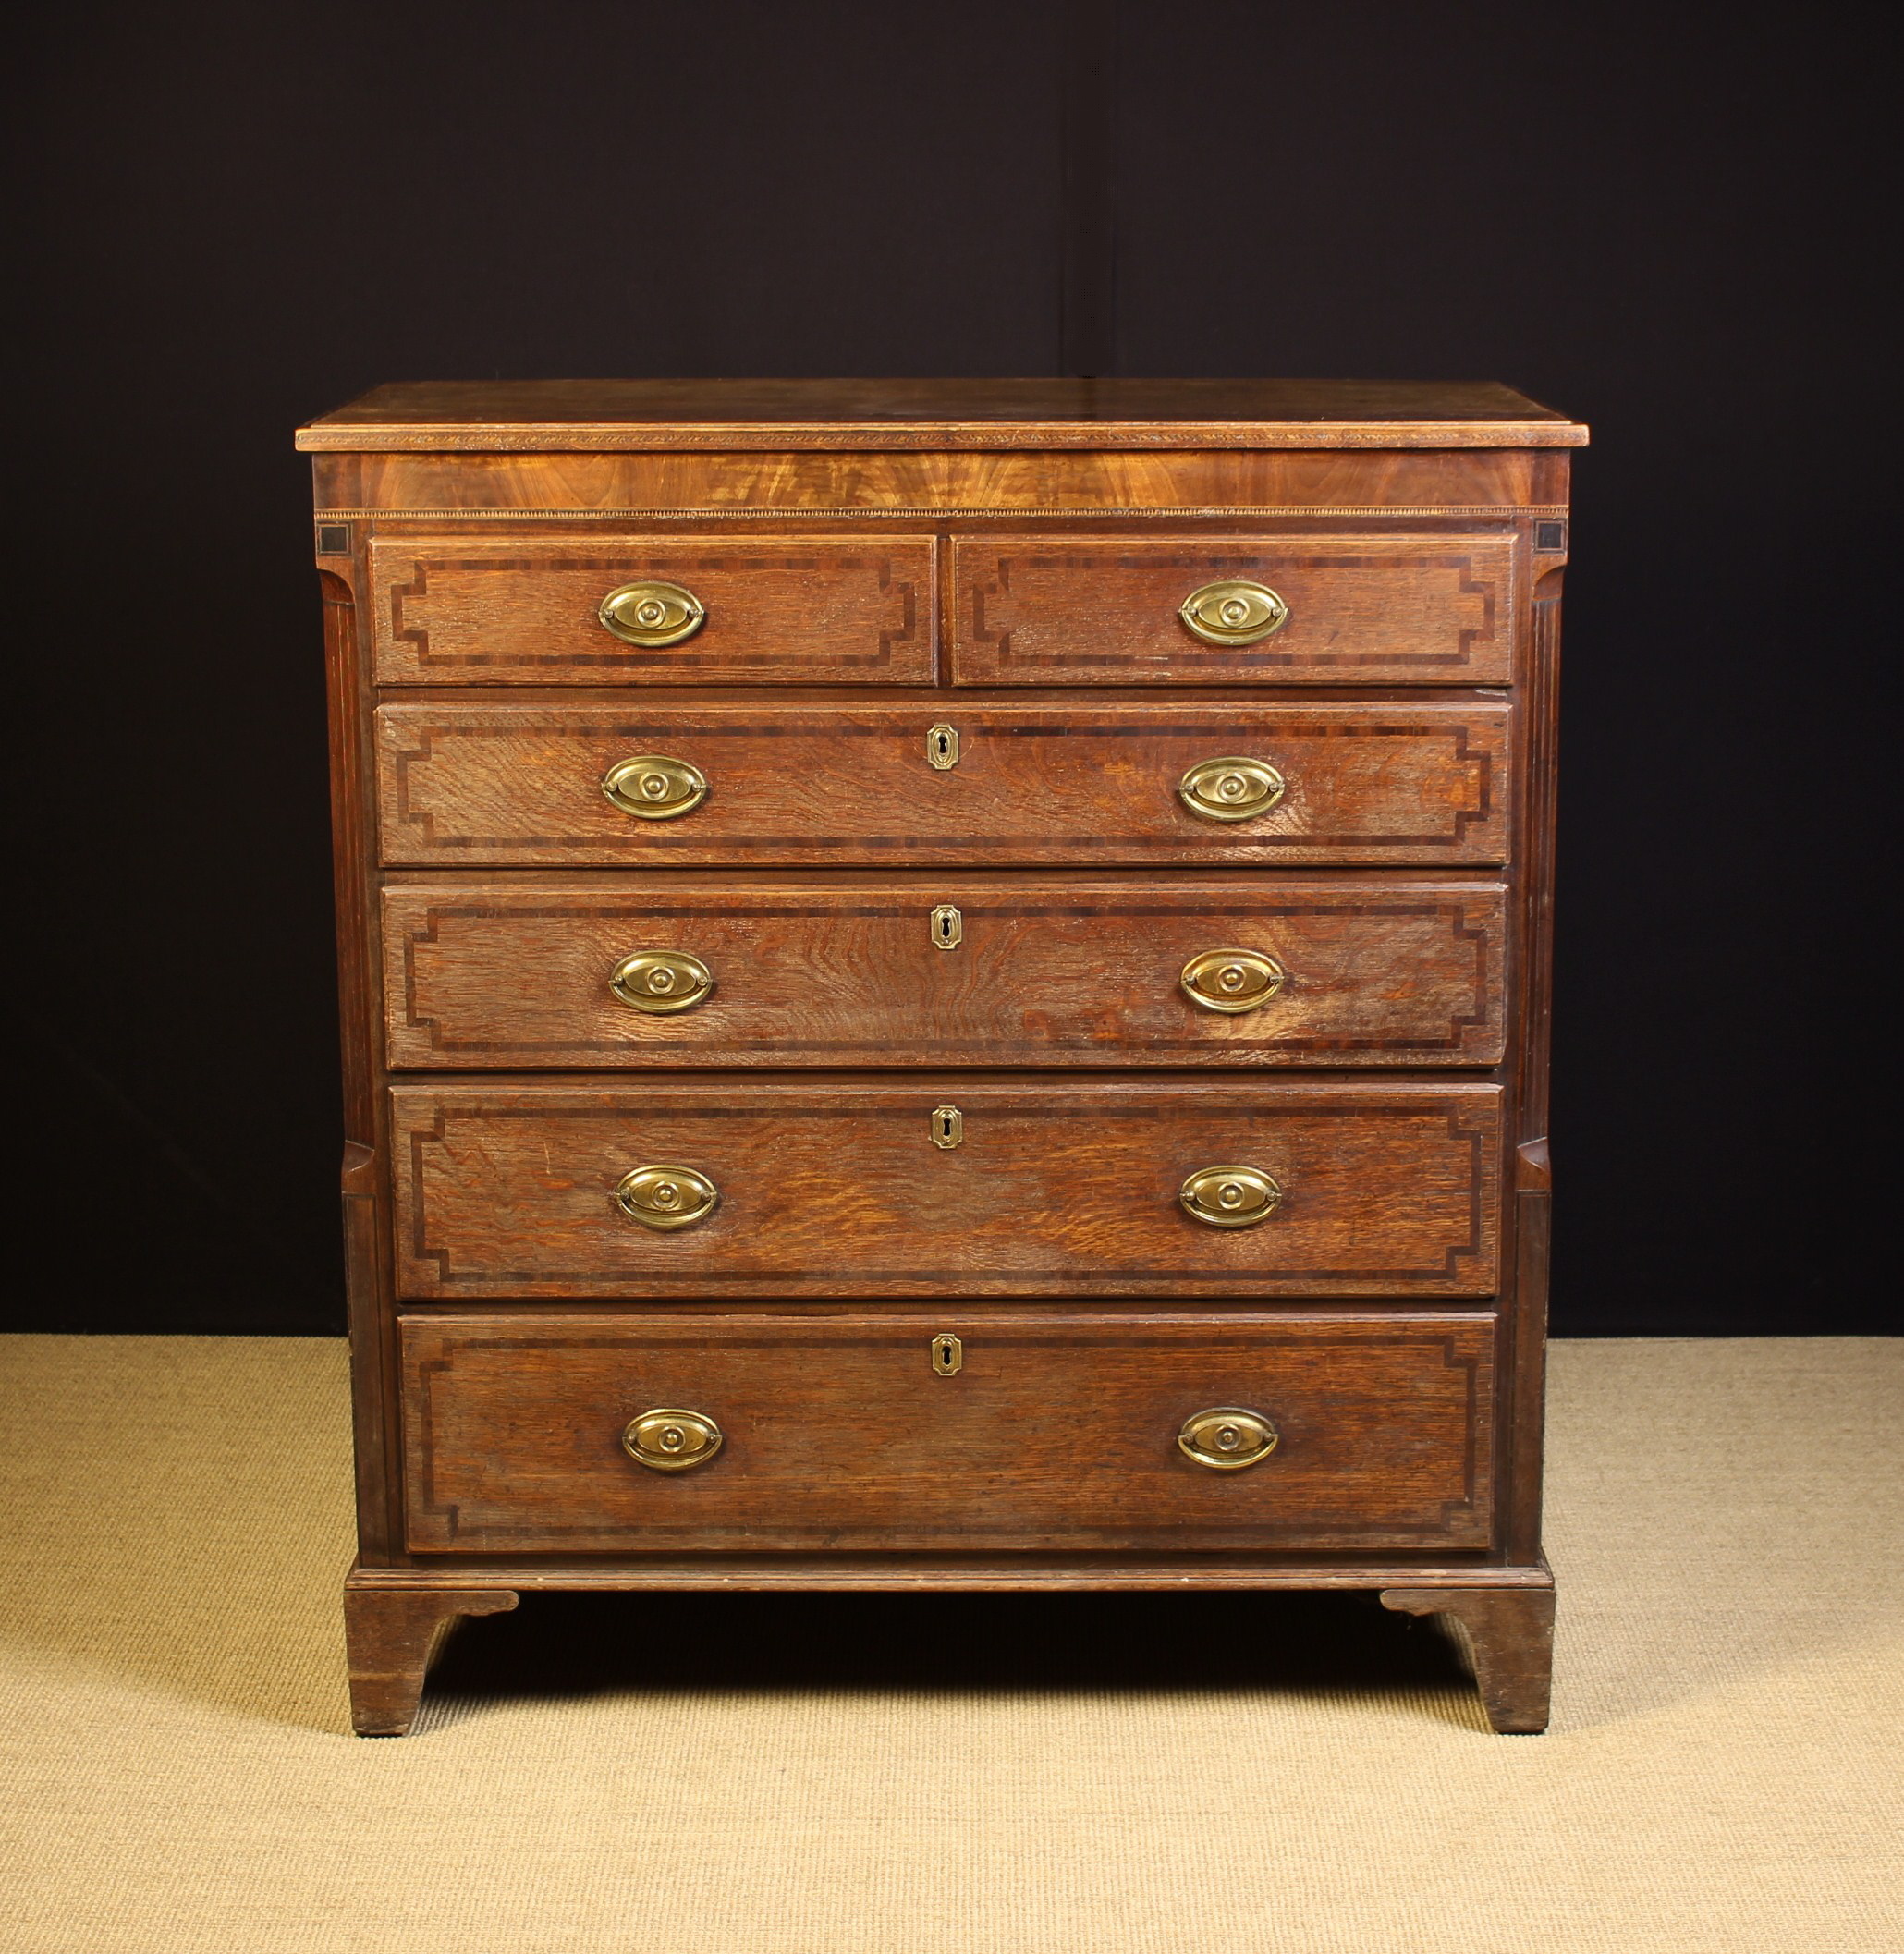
{"points": [[662, 982], [666, 1198], [1230, 1197], [1233, 612], [1226, 1439], [671, 1441], [652, 788], [653, 614], [1231, 981], [1231, 789]]}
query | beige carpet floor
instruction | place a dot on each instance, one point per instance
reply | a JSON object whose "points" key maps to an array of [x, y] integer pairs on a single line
{"points": [[828, 1774]]}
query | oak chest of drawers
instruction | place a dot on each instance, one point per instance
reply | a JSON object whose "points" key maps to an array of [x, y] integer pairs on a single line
{"points": [[945, 984]]}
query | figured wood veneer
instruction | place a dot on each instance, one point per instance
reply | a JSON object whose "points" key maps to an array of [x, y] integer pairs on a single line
{"points": [[469, 608], [502, 415], [1365, 609], [1057, 1432], [837, 1190], [1047, 781], [490, 973]]}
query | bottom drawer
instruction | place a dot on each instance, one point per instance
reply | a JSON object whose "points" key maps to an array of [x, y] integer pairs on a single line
{"points": [[1051, 1429]]}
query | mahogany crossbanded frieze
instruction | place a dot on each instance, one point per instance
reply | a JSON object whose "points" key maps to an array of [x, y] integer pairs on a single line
{"points": [[1386, 484], [838, 1187], [1046, 781], [1058, 1431], [466, 608], [1046, 969]]}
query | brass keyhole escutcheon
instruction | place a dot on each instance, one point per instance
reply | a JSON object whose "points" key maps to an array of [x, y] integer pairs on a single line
{"points": [[653, 614], [1234, 611], [671, 1441], [1231, 981], [942, 747], [948, 1127], [661, 981], [948, 1353], [666, 1198], [948, 927], [1230, 1197], [1227, 1438], [1231, 789], [654, 788]]}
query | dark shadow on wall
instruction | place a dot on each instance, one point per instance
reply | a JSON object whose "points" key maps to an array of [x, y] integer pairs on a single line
{"points": [[246, 215]]}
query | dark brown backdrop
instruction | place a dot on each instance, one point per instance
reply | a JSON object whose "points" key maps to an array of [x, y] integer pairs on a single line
{"points": [[1662, 220]]}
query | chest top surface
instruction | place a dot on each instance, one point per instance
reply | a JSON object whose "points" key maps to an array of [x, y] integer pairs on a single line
{"points": [[569, 415]]}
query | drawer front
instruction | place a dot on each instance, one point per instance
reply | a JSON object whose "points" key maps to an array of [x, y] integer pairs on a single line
{"points": [[1055, 1430], [1088, 972], [513, 609], [861, 1187], [1356, 609], [522, 785]]}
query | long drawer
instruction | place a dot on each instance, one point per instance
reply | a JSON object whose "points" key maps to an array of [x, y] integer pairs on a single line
{"points": [[979, 1186], [502, 608], [946, 969], [943, 781], [1068, 610], [914, 1430]]}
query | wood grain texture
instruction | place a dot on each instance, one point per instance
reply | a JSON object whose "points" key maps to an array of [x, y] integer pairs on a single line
{"points": [[1508, 1636], [1000, 1572], [833, 1186], [1059, 1432], [484, 608], [851, 414], [1049, 970], [1367, 609], [1051, 779], [1389, 484], [467, 535], [391, 1637]]}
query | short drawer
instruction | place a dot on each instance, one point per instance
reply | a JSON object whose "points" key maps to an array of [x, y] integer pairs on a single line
{"points": [[1038, 610], [945, 969], [1113, 783], [907, 1431], [954, 1185], [509, 608]]}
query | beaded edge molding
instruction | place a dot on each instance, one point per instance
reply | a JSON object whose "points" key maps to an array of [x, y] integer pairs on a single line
{"points": [[1506, 511]]}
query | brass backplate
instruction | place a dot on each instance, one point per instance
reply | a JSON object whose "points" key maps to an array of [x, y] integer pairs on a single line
{"points": [[1230, 789], [948, 927], [1233, 612], [1231, 981], [666, 1198], [948, 1353], [661, 981], [942, 747], [652, 788], [948, 1127], [653, 614], [1227, 1438], [671, 1441], [1230, 1197]]}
